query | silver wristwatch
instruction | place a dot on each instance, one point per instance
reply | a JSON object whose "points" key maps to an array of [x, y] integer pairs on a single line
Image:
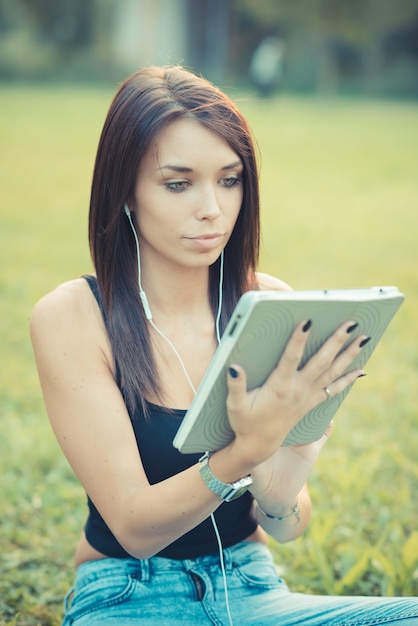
{"points": [[226, 491]]}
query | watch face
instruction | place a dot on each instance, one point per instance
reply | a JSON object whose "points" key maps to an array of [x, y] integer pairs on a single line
{"points": [[235, 494], [244, 482], [239, 488]]}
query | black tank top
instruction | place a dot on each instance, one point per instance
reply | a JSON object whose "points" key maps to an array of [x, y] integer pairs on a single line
{"points": [[161, 460]]}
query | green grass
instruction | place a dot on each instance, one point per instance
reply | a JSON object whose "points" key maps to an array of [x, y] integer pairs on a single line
{"points": [[339, 198]]}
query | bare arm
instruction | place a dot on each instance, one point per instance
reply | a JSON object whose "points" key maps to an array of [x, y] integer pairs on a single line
{"points": [[92, 426]]}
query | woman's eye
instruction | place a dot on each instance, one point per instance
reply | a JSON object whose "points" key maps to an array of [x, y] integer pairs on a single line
{"points": [[177, 185], [231, 181]]}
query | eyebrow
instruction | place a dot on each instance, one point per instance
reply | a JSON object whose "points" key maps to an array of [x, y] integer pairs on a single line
{"points": [[185, 169]]}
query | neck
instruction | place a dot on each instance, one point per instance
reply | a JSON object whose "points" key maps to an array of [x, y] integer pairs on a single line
{"points": [[180, 313], [175, 297]]}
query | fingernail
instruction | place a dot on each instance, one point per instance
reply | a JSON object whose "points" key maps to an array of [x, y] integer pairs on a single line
{"points": [[364, 341], [351, 328], [233, 372], [307, 326], [362, 374]]}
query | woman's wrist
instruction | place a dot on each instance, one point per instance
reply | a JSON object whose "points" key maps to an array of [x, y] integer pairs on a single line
{"points": [[230, 464], [283, 514]]}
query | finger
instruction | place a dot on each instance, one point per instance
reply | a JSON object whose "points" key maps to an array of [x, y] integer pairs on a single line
{"points": [[237, 388], [340, 384], [293, 352], [345, 358], [322, 360]]}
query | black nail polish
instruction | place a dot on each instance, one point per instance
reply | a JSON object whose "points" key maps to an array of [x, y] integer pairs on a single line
{"points": [[361, 375], [351, 328], [233, 372], [307, 326], [364, 341]]}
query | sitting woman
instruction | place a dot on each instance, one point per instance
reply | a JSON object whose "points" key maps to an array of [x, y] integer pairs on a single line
{"points": [[176, 538]]}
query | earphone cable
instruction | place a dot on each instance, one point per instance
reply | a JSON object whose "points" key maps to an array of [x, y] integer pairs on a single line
{"points": [[220, 300], [148, 314], [222, 562], [172, 346]]}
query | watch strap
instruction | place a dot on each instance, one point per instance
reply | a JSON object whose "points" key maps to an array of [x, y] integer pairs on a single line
{"points": [[226, 491]]}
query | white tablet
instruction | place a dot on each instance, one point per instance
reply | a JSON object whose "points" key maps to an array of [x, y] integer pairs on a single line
{"points": [[255, 338]]}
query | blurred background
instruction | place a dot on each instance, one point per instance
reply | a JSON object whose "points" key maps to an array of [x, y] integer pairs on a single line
{"points": [[349, 46], [330, 89]]}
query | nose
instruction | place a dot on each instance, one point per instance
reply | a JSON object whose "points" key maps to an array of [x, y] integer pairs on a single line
{"points": [[208, 204]]}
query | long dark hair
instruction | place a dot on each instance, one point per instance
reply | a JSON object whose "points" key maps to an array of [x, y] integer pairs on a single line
{"points": [[144, 105]]}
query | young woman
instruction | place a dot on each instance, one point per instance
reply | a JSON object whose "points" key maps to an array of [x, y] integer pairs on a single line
{"points": [[174, 236]]}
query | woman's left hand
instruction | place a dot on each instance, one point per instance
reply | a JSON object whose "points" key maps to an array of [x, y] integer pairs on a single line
{"points": [[278, 480]]}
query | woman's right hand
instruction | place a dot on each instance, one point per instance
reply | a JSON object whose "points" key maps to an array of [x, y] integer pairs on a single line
{"points": [[262, 418]]}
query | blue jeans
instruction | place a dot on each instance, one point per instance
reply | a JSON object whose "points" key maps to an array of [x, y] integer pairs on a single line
{"points": [[166, 592]]}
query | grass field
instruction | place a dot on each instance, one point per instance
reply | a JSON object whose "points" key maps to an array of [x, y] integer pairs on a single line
{"points": [[339, 186]]}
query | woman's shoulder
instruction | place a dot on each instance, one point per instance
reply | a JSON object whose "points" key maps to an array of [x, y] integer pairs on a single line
{"points": [[65, 306], [66, 325], [267, 282], [66, 297]]}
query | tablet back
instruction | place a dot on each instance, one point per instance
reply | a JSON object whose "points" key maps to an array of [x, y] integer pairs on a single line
{"points": [[255, 338]]}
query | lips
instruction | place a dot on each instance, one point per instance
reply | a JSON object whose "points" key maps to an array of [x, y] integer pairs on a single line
{"points": [[211, 236], [206, 241]]}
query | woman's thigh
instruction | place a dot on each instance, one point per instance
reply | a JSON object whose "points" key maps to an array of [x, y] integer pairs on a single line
{"points": [[296, 609], [257, 595]]}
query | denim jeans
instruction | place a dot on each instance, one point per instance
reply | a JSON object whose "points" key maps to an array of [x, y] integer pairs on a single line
{"points": [[166, 592]]}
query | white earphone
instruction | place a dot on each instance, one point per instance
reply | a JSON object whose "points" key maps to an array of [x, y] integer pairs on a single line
{"points": [[142, 293], [148, 315]]}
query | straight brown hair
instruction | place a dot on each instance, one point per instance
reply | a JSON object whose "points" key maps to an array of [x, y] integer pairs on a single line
{"points": [[145, 104]]}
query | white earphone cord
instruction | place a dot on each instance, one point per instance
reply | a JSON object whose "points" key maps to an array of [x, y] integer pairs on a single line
{"points": [[148, 315]]}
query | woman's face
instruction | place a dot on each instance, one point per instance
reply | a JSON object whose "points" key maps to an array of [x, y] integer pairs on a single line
{"points": [[188, 194]]}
